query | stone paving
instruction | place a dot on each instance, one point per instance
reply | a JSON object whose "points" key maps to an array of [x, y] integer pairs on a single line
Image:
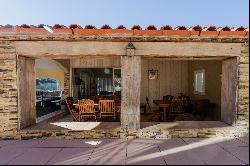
{"points": [[186, 151]]}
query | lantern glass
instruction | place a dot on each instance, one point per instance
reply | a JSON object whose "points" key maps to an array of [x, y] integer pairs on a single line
{"points": [[130, 49], [130, 52]]}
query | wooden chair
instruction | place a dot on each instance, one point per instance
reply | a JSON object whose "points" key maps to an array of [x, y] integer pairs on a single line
{"points": [[168, 98], [176, 107], [107, 108], [149, 106], [97, 98], [156, 113], [86, 109], [201, 107], [112, 97], [71, 108]]}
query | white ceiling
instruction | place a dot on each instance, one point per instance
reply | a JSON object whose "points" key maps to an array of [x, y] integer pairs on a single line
{"points": [[46, 64]]}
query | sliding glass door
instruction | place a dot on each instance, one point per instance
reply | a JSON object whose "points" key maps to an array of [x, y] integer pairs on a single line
{"points": [[90, 82]]}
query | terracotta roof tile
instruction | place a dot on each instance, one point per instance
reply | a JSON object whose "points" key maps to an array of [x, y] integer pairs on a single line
{"points": [[135, 30]]}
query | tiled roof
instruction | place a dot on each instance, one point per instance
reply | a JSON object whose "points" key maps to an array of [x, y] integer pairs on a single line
{"points": [[135, 30]]}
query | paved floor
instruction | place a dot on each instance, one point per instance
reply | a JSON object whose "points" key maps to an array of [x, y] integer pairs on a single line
{"points": [[126, 152]]}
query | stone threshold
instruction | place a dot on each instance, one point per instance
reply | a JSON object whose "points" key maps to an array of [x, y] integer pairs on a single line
{"points": [[144, 133]]}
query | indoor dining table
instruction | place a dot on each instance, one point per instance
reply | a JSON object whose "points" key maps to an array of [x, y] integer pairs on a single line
{"points": [[165, 106]]}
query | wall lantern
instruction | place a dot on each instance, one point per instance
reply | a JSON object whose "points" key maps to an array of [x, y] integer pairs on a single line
{"points": [[130, 49]]}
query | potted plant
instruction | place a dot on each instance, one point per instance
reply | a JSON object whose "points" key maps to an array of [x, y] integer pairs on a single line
{"points": [[226, 31], [166, 27], [180, 30], [196, 30], [74, 26], [211, 31], [57, 28], [24, 28], [106, 27], [89, 29], [152, 30], [7, 28], [136, 27], [121, 29]]}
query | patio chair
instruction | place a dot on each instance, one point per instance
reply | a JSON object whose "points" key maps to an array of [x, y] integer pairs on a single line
{"points": [[168, 98], [156, 114], [86, 109], [107, 108], [176, 107], [71, 108], [97, 98]]}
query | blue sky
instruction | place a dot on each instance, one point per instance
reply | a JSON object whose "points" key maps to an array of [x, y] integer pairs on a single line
{"points": [[126, 12]]}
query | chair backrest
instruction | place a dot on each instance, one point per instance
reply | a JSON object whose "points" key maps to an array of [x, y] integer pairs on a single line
{"points": [[149, 106], [176, 106], [107, 106], [97, 98], [69, 103], [86, 107], [168, 98], [112, 97], [184, 97]]}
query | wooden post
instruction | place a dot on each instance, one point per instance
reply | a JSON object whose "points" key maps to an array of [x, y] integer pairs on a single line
{"points": [[229, 91], [131, 82], [26, 92]]}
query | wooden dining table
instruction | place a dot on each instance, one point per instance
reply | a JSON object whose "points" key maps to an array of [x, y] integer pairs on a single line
{"points": [[165, 106]]}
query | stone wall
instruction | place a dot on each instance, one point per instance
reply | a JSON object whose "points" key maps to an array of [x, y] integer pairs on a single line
{"points": [[9, 113], [152, 132], [8, 88], [243, 97]]}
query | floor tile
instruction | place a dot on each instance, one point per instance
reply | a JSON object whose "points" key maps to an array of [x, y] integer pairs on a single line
{"points": [[6, 142], [71, 156], [176, 152], [63, 143], [240, 152], [110, 154], [147, 141], [193, 140], [141, 153], [172, 143], [25, 143], [183, 158], [214, 154], [9, 153], [35, 156], [232, 143]]}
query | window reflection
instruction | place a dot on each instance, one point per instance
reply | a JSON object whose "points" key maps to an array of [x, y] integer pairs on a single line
{"points": [[91, 82]]}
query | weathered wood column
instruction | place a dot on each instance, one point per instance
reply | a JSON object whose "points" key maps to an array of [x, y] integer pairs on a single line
{"points": [[229, 87], [131, 81], [26, 92]]}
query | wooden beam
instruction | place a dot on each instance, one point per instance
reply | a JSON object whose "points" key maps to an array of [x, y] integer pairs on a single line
{"points": [[180, 58], [76, 49]]}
